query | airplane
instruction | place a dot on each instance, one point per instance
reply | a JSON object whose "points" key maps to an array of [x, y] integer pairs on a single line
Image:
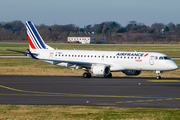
{"points": [[97, 62]]}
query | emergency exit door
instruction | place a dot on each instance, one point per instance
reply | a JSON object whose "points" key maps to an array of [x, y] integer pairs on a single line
{"points": [[151, 60]]}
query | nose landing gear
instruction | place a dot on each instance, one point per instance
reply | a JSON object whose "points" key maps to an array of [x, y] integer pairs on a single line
{"points": [[158, 76]]}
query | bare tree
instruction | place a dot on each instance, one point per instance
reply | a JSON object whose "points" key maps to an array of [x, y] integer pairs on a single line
{"points": [[158, 26]]}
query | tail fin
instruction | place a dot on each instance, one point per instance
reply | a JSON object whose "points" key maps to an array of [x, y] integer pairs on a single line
{"points": [[34, 38]]}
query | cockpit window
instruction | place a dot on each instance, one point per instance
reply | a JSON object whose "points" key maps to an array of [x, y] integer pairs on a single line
{"points": [[164, 57], [167, 58], [161, 58]]}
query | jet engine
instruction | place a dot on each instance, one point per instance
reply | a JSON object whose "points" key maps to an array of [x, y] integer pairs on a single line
{"points": [[132, 72], [100, 70]]}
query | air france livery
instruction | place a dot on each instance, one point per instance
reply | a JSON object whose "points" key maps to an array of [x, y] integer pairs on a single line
{"points": [[98, 62]]}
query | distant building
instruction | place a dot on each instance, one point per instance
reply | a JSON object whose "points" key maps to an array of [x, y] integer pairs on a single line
{"points": [[85, 40], [137, 35]]}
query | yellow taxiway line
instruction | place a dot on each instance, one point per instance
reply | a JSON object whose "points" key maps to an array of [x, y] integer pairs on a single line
{"points": [[163, 80]]}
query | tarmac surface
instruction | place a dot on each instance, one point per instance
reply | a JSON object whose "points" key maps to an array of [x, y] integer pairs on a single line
{"points": [[96, 91]]}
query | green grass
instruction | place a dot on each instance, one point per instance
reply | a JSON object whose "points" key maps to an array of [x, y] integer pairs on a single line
{"points": [[85, 112], [172, 51]]}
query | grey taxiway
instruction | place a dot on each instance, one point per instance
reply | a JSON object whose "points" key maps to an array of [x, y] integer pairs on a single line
{"points": [[96, 91]]}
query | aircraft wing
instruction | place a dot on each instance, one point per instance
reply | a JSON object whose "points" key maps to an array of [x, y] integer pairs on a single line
{"points": [[67, 61]]}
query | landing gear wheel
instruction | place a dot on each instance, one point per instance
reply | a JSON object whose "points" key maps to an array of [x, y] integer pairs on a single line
{"points": [[108, 76], [89, 75], [158, 74], [158, 77], [86, 75]]}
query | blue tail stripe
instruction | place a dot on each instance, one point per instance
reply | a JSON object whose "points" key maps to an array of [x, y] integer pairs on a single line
{"points": [[37, 36], [33, 36]]}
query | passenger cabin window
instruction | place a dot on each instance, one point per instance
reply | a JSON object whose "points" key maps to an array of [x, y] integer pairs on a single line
{"points": [[106, 56], [160, 58], [156, 58]]}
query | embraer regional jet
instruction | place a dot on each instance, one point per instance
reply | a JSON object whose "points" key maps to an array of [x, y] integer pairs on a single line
{"points": [[98, 62]]}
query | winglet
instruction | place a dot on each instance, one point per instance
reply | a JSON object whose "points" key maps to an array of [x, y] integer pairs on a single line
{"points": [[32, 54]]}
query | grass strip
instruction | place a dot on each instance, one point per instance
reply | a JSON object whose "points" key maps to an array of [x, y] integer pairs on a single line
{"points": [[85, 112]]}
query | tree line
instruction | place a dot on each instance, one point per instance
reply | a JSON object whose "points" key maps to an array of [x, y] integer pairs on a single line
{"points": [[16, 31]]}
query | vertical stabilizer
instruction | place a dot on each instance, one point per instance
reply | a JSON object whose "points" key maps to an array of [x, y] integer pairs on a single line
{"points": [[34, 38]]}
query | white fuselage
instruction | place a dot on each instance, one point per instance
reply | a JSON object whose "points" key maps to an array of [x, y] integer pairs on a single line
{"points": [[118, 60]]}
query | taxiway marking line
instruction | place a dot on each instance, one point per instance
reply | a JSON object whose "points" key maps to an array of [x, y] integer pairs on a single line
{"points": [[150, 100], [81, 95], [163, 80]]}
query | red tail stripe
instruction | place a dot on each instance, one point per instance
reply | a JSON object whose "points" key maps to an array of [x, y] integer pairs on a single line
{"points": [[30, 43]]}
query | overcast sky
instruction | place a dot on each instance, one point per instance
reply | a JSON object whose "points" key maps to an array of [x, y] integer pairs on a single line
{"points": [[85, 12]]}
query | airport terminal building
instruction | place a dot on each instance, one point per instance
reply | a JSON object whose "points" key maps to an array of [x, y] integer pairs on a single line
{"points": [[86, 40]]}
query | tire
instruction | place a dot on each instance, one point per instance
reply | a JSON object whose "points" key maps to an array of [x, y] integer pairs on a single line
{"points": [[89, 75], [108, 76], [85, 75], [158, 77]]}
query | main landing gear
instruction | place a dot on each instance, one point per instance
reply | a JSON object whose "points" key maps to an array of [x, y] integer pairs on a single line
{"points": [[158, 76], [108, 76], [87, 75]]}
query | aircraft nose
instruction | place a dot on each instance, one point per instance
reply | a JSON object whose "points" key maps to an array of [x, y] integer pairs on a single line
{"points": [[174, 66]]}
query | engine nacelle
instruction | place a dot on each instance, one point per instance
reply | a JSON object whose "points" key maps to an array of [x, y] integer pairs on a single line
{"points": [[100, 70], [132, 72]]}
